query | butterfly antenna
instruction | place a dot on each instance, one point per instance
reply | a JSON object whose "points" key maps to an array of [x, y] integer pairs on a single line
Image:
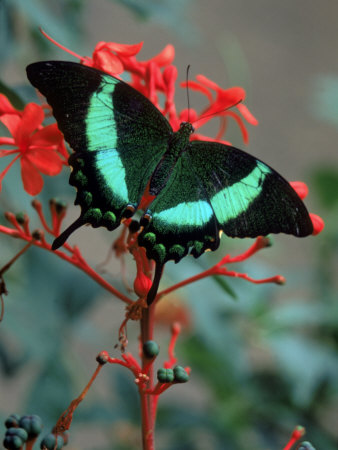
{"points": [[156, 282], [187, 88], [217, 112]]}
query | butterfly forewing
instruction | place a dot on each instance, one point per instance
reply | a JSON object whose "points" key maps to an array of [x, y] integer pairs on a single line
{"points": [[248, 197], [117, 134]]}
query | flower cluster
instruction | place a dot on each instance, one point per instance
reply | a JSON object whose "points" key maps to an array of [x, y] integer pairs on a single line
{"points": [[39, 148]]}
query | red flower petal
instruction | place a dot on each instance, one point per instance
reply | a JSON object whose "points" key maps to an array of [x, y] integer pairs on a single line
{"points": [[45, 160], [207, 82], [122, 49], [165, 57], [301, 188], [32, 117], [49, 135], [195, 86], [31, 178], [226, 98], [7, 141], [12, 122], [108, 62], [247, 114], [6, 106], [318, 224], [62, 150], [240, 123]]}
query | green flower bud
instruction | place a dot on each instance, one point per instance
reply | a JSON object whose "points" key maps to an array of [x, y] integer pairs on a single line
{"points": [[150, 349], [165, 375], [180, 375], [12, 421], [49, 442], [32, 424]]}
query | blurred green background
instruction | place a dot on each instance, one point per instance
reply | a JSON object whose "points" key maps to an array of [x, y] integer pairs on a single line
{"points": [[262, 362]]}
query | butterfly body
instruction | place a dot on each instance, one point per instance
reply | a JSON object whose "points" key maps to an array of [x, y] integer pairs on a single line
{"points": [[123, 144]]}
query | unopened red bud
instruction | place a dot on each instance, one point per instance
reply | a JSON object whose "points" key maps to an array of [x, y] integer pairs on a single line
{"points": [[142, 284], [263, 241], [21, 217], [37, 235], [102, 357], [36, 203], [59, 205], [176, 328], [298, 432], [280, 279], [301, 188], [318, 224], [9, 216]]}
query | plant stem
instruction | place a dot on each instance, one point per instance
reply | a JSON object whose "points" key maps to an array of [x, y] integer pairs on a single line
{"points": [[147, 404]]}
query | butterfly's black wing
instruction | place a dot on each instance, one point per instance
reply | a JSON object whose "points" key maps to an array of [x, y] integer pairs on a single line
{"points": [[217, 187], [117, 134]]}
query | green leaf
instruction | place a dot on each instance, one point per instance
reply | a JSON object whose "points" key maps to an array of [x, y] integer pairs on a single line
{"points": [[12, 96], [225, 286]]}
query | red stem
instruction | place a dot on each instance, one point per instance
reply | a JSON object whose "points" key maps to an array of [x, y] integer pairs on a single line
{"points": [[147, 403], [75, 259]]}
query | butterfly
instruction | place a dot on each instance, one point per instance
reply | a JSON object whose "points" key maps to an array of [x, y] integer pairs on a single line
{"points": [[123, 144]]}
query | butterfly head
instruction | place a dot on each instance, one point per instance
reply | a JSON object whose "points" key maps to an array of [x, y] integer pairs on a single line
{"points": [[186, 128]]}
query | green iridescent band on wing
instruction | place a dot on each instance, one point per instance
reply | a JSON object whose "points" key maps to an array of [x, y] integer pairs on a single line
{"points": [[182, 218], [215, 187], [117, 134], [122, 144]]}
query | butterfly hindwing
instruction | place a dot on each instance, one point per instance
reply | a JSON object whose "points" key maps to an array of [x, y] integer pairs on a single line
{"points": [[219, 187], [181, 217], [117, 134]]}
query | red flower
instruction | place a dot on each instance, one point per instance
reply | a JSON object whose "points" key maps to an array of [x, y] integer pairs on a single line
{"points": [[6, 107], [40, 149], [219, 105]]}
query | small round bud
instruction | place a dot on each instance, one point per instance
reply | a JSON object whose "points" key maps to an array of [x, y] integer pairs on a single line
{"points": [[37, 235], [58, 204], [50, 440], [150, 349], [15, 438], [12, 442], [12, 421], [21, 218], [32, 424], [9, 216], [180, 375], [17, 431], [165, 375], [102, 357]]}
